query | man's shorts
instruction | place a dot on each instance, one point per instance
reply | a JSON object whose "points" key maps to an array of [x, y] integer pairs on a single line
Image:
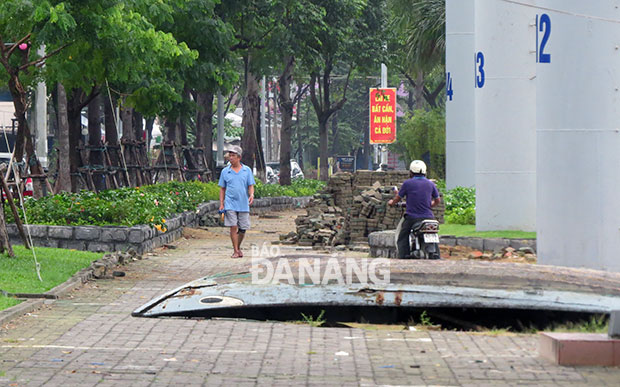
{"points": [[239, 219]]}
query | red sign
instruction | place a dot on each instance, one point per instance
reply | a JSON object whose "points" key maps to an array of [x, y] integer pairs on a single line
{"points": [[382, 116]]}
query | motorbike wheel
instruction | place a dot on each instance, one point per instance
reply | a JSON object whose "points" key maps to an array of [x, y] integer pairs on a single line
{"points": [[432, 251]]}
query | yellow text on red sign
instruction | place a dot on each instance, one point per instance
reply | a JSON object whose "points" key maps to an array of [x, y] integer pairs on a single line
{"points": [[382, 116]]}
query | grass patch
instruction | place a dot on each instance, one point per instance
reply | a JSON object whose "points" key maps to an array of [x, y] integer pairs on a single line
{"points": [[57, 265], [7, 302], [469, 230]]}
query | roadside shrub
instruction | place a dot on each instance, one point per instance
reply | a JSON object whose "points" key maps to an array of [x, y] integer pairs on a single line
{"points": [[460, 205], [150, 204]]}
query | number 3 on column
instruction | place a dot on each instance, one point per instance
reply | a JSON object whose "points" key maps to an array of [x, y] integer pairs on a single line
{"points": [[479, 58]]}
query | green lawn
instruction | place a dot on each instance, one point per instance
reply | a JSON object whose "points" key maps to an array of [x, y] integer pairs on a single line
{"points": [[18, 275], [470, 231]]}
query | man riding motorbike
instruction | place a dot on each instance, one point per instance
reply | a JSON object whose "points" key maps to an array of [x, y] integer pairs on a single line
{"points": [[421, 194]]}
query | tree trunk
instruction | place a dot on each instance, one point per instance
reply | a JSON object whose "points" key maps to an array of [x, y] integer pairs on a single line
{"points": [[95, 152], [366, 160], [149, 133], [171, 130], [335, 134], [204, 127], [63, 182], [24, 137], [323, 148], [419, 90], [128, 140], [300, 156], [250, 119], [138, 126], [286, 106], [111, 132], [74, 114]]}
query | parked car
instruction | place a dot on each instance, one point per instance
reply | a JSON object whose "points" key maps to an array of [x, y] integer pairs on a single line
{"points": [[296, 172]]}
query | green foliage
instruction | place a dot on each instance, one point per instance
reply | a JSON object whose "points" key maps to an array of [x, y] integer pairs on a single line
{"points": [[460, 205], [314, 322], [595, 324], [57, 265], [143, 205], [425, 319], [470, 230], [7, 302], [423, 136], [298, 187]]}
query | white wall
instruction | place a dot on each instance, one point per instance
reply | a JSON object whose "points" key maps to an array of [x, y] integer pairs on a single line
{"points": [[505, 133], [578, 120], [460, 109]]}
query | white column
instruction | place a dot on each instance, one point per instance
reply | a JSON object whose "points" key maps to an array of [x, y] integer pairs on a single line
{"points": [[504, 74], [460, 107], [578, 122]]}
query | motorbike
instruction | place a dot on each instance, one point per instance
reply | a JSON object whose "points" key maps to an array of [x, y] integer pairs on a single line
{"points": [[423, 239]]}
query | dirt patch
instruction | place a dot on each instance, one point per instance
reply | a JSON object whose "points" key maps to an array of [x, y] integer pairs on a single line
{"points": [[467, 253]]}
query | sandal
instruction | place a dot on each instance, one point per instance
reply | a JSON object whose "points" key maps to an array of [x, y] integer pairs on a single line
{"points": [[235, 255], [240, 253]]}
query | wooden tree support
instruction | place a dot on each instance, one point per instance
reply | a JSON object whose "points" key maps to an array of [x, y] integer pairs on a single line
{"points": [[168, 164], [137, 161], [196, 164], [18, 221]]}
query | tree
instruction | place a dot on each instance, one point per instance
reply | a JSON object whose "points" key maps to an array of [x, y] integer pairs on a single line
{"points": [[299, 24], [24, 27], [417, 46], [116, 43], [423, 136], [197, 23], [337, 50]]}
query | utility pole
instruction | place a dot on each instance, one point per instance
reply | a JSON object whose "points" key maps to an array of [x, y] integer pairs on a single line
{"points": [[41, 118], [263, 101], [220, 129], [383, 153]]}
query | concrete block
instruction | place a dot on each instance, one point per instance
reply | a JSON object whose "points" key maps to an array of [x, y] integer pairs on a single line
{"points": [[614, 324], [474, 243], [72, 244], [136, 235], [36, 230], [12, 229], [579, 349], [447, 240], [46, 242], [113, 234], [495, 244], [97, 247], [60, 232], [87, 233], [518, 243]]}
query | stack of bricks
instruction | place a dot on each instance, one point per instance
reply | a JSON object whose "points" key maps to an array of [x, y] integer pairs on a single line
{"points": [[350, 207]]}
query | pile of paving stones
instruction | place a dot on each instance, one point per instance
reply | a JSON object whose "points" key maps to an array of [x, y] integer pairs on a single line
{"points": [[349, 208]]}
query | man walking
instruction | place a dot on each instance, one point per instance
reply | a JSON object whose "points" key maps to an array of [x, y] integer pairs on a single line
{"points": [[236, 197]]}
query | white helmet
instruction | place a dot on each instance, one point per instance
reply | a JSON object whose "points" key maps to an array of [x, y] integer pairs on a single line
{"points": [[418, 166]]}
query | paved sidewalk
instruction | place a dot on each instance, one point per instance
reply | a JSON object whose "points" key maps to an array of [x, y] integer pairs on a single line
{"points": [[89, 338]]}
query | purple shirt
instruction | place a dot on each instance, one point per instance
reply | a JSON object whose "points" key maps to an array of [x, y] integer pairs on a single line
{"points": [[420, 192]]}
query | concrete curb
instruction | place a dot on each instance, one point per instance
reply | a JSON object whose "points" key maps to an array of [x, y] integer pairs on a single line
{"points": [[382, 243], [25, 307], [100, 268]]}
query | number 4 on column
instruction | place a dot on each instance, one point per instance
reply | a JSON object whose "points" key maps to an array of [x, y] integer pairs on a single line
{"points": [[449, 90]]}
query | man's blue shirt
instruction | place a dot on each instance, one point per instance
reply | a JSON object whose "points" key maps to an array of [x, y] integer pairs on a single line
{"points": [[236, 184], [419, 192]]}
